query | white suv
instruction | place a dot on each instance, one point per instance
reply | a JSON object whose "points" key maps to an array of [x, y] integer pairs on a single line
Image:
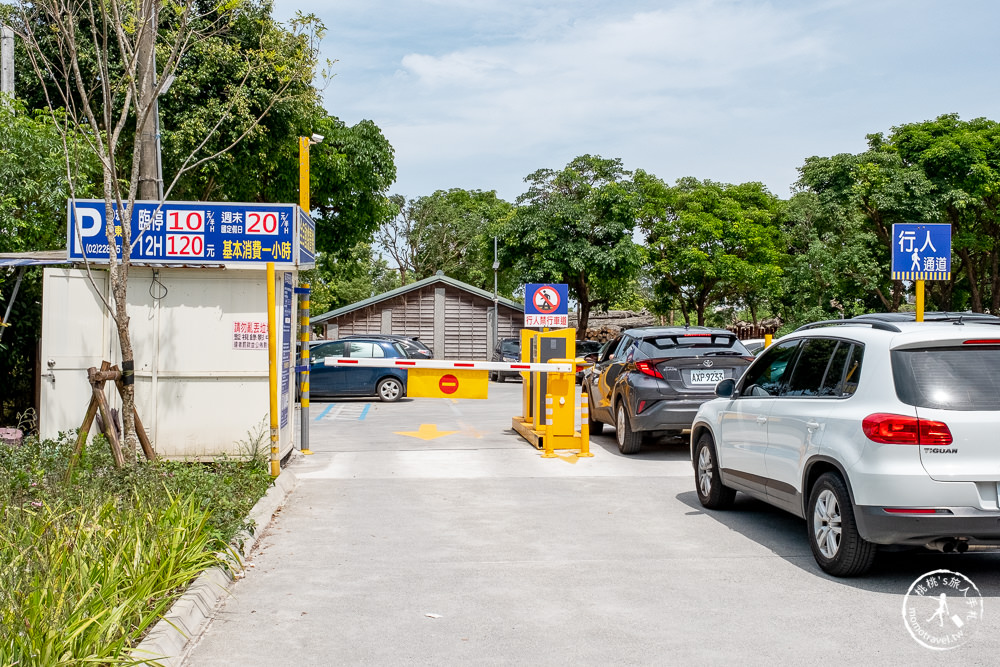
{"points": [[875, 430]]}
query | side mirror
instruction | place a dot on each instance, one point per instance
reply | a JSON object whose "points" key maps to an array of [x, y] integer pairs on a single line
{"points": [[726, 388], [591, 358]]}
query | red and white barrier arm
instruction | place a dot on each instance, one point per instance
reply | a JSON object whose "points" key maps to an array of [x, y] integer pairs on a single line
{"points": [[440, 364]]}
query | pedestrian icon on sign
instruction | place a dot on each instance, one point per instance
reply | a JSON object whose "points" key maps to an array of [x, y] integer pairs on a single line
{"points": [[546, 299]]}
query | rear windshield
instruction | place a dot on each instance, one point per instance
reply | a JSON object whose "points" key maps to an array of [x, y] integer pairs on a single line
{"points": [[949, 378], [680, 345]]}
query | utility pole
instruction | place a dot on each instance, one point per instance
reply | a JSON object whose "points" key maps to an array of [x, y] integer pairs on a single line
{"points": [[496, 301], [6, 61], [150, 181]]}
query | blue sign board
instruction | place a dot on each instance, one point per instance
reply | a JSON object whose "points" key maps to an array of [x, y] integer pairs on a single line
{"points": [[286, 344], [193, 233], [546, 305], [921, 252]]}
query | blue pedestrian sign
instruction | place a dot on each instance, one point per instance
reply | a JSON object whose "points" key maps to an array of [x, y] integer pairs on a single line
{"points": [[921, 252], [546, 305]]}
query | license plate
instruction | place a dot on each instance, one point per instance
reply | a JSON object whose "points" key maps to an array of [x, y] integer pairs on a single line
{"points": [[707, 377]]}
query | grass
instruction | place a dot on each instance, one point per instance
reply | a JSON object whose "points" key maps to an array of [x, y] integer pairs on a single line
{"points": [[89, 564]]}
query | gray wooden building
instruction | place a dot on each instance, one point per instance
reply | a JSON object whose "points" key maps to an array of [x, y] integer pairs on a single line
{"points": [[452, 318]]}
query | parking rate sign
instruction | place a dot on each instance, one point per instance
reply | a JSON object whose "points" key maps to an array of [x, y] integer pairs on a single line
{"points": [[546, 305], [921, 252]]}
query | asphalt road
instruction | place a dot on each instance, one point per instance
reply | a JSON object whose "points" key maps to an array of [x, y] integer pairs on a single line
{"points": [[427, 533]]}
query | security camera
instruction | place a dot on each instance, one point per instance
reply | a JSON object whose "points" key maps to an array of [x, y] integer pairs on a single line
{"points": [[316, 138]]}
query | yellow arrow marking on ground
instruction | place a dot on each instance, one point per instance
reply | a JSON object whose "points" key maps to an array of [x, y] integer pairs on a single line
{"points": [[426, 432]]}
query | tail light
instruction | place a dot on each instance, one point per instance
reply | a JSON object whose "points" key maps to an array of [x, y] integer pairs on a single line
{"points": [[648, 367], [902, 430]]}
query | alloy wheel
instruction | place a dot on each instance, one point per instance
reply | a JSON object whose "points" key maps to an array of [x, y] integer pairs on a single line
{"points": [[705, 468], [826, 523]]}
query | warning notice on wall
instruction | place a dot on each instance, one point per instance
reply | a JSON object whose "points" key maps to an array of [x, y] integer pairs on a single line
{"points": [[249, 335]]}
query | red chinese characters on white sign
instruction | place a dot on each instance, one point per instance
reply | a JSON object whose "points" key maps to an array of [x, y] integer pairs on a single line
{"points": [[249, 335], [546, 320]]}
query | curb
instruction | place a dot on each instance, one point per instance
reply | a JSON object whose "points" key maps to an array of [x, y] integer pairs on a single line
{"points": [[168, 643]]}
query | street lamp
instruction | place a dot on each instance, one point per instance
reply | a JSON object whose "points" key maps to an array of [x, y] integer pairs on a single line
{"points": [[304, 144]]}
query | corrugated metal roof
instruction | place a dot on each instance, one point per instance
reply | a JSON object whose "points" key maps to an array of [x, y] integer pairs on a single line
{"points": [[33, 258], [410, 288]]}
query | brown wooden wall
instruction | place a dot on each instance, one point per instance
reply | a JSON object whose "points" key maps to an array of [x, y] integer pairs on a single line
{"points": [[466, 321]]}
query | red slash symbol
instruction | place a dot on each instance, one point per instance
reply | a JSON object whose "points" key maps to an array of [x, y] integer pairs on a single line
{"points": [[545, 301]]}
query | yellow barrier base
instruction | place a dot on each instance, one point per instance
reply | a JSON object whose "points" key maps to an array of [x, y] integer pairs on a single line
{"points": [[537, 438]]}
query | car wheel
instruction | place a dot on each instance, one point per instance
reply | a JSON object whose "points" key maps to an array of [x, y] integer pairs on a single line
{"points": [[596, 427], [628, 440], [836, 543], [711, 493], [389, 390]]}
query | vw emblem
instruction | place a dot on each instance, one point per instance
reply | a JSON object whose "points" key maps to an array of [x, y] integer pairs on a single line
{"points": [[708, 363]]}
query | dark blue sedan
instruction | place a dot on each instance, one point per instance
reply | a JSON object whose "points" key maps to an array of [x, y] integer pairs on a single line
{"points": [[389, 384]]}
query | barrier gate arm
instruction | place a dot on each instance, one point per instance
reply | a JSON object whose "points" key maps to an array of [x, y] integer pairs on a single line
{"points": [[439, 364]]}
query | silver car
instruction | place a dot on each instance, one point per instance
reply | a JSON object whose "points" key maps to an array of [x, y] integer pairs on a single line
{"points": [[875, 430]]}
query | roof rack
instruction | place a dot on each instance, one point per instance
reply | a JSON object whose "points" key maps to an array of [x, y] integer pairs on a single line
{"points": [[958, 318], [874, 324]]}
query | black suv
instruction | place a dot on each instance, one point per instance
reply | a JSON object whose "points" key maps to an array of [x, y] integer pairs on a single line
{"points": [[508, 349], [411, 344], [654, 379]]}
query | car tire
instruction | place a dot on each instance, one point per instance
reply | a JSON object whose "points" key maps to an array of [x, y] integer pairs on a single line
{"points": [[711, 492], [389, 390], [836, 543], [629, 441], [596, 427]]}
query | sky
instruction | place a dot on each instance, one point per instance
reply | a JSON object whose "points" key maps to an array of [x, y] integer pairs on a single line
{"points": [[478, 94]]}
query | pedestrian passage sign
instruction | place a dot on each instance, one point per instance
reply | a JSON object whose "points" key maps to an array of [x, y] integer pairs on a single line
{"points": [[921, 252], [546, 305]]}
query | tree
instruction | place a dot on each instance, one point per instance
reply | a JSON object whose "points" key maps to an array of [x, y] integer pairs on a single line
{"points": [[575, 226], [710, 243], [339, 281], [33, 191], [960, 160], [450, 231], [96, 61]]}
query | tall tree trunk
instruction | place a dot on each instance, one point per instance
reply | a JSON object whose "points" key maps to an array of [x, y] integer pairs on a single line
{"points": [[149, 186], [970, 272], [583, 298]]}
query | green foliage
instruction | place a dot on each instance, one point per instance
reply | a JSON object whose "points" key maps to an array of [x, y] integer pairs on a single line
{"points": [[575, 226], [450, 231], [338, 280], [711, 243], [33, 192], [33, 179], [257, 66], [88, 565]]}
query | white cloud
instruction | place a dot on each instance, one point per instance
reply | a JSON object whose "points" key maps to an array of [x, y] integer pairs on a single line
{"points": [[594, 77]]}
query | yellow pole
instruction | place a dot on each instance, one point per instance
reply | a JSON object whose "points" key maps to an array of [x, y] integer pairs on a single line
{"points": [[585, 425], [920, 301], [272, 370], [549, 446], [767, 340], [304, 173]]}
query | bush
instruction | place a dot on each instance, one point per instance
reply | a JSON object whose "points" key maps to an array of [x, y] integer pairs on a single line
{"points": [[89, 561]]}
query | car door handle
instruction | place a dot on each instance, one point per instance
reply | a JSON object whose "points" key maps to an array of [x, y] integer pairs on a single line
{"points": [[761, 419], [812, 426]]}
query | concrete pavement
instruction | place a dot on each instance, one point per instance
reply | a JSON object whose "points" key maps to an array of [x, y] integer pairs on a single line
{"points": [[469, 548]]}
